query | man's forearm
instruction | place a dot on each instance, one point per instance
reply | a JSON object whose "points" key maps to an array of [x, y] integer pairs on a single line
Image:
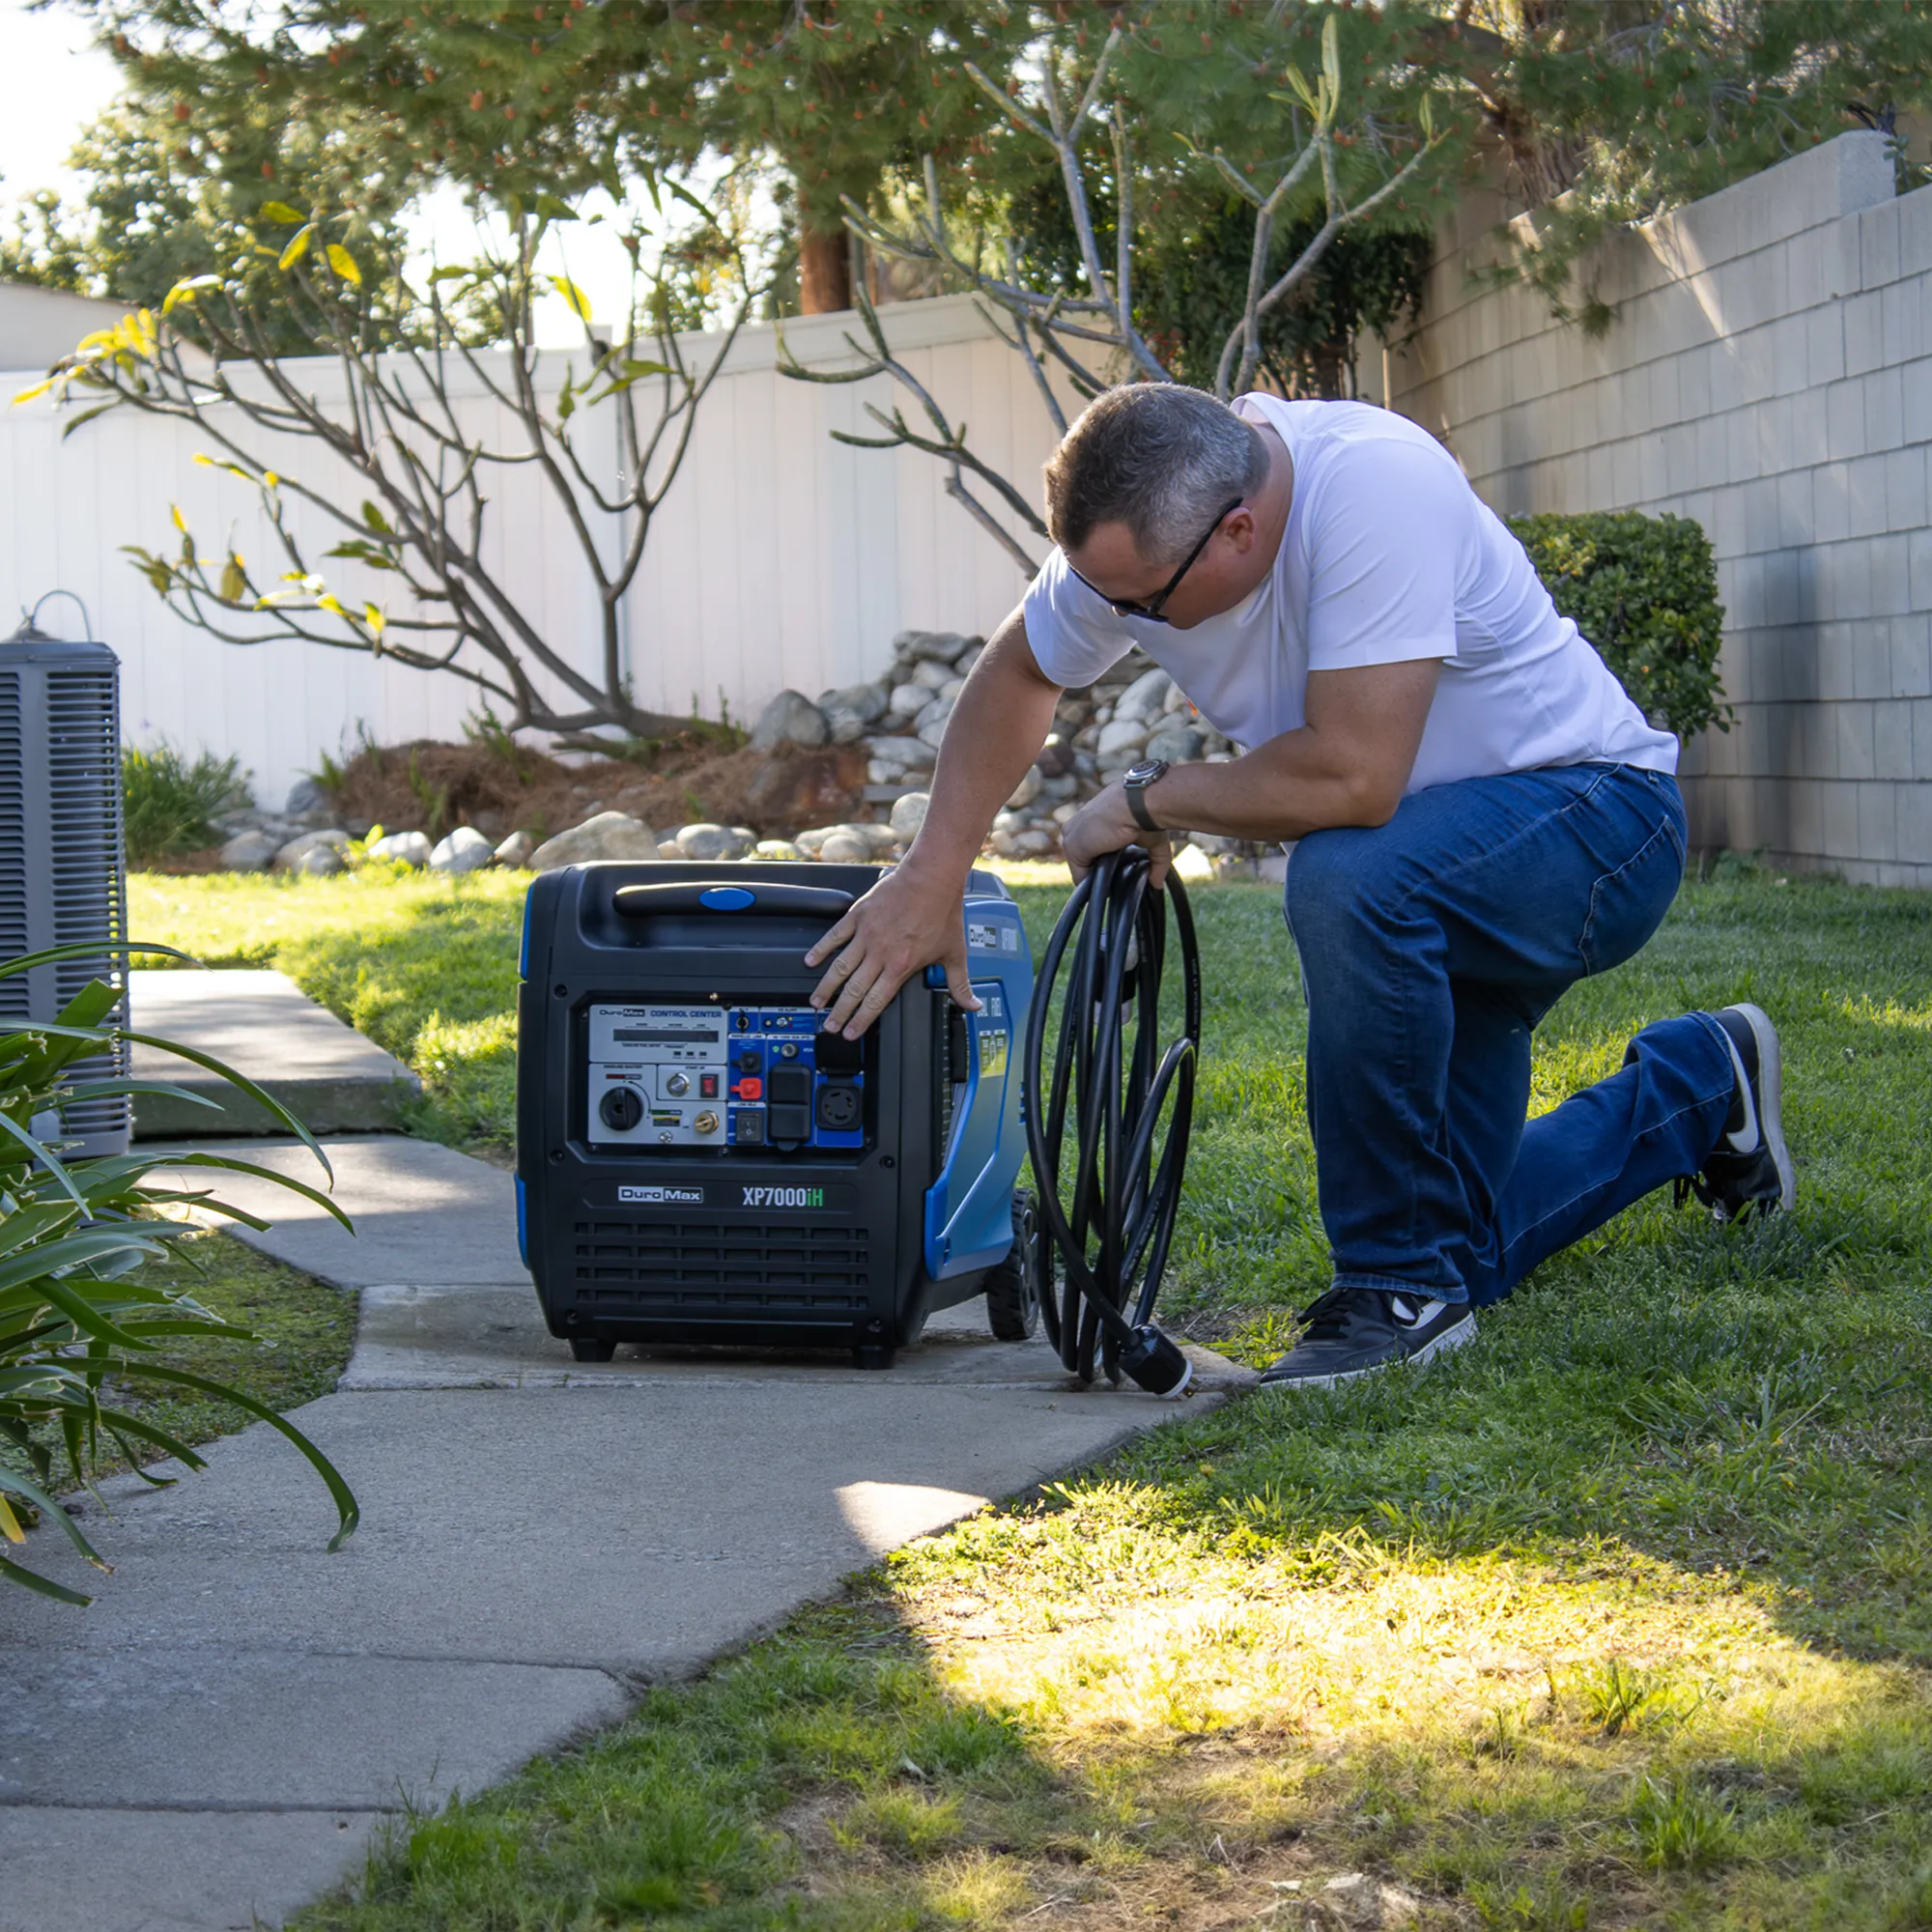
{"points": [[1279, 792], [995, 733]]}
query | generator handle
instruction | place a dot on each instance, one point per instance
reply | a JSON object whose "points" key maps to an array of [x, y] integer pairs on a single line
{"points": [[764, 895]]}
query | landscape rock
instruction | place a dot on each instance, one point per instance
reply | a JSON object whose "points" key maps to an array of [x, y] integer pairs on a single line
{"points": [[812, 839], [868, 700], [906, 700], [932, 675], [789, 719], [465, 850], [712, 842], [669, 851], [407, 848], [900, 753], [305, 796], [515, 851], [845, 728], [1124, 734], [321, 861], [609, 834], [780, 850], [291, 855], [845, 848], [1175, 743], [909, 815], [1144, 697], [1056, 757], [932, 646], [1176, 700], [1026, 791]]}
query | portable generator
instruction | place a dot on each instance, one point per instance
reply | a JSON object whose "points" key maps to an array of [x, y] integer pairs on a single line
{"points": [[699, 1160]]}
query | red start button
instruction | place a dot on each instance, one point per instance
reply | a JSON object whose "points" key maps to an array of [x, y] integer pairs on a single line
{"points": [[707, 1086]]}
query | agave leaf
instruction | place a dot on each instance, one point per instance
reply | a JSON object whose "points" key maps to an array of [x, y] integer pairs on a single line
{"points": [[234, 1164], [118, 1423], [104, 1089], [25, 1486], [43, 1586], [256, 1093], [48, 955], [35, 1222], [349, 1513], [70, 1251], [38, 1149]]}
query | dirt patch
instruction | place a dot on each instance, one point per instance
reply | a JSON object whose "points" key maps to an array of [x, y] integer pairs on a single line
{"points": [[430, 787]]}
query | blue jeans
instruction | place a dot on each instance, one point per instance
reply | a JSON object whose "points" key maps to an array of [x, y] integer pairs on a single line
{"points": [[1429, 948]]}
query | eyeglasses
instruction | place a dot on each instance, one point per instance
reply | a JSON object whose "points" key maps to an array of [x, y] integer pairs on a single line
{"points": [[1152, 609]]}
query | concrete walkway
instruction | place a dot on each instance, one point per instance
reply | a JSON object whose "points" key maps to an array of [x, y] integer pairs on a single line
{"points": [[263, 1025], [218, 1738]]}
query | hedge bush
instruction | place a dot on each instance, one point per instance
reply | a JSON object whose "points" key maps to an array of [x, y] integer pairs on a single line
{"points": [[1644, 591], [170, 802]]}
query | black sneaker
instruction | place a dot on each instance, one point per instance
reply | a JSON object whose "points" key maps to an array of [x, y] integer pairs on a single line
{"points": [[1750, 1167], [1353, 1331]]}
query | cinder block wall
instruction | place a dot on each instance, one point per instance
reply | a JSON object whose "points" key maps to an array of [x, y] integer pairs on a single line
{"points": [[1769, 372]]}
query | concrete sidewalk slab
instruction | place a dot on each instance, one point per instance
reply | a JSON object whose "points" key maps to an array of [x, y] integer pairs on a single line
{"points": [[263, 1025], [170, 1870], [414, 1338], [423, 1213], [223, 1731], [572, 1528]]}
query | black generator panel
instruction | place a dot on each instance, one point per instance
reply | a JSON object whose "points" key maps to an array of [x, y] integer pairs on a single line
{"points": [[700, 1161]]}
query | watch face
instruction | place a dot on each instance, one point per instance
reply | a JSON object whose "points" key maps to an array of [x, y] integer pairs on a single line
{"points": [[1145, 772]]}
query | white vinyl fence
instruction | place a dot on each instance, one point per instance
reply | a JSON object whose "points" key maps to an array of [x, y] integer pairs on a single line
{"points": [[780, 556]]}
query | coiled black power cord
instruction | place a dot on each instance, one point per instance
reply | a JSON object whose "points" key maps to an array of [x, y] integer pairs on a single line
{"points": [[1112, 1218]]}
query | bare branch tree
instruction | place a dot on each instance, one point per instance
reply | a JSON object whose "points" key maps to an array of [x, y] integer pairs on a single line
{"points": [[1089, 338], [421, 472]]}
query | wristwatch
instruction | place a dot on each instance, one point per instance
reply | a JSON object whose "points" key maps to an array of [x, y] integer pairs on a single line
{"points": [[1135, 782]]}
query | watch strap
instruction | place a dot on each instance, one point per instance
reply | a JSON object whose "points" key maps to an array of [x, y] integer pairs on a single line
{"points": [[1135, 786]]}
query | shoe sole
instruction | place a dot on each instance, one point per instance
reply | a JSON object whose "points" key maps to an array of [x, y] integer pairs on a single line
{"points": [[1771, 1097], [1451, 1338]]}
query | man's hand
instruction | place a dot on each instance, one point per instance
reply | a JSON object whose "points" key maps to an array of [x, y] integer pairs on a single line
{"points": [[1107, 824], [905, 923]]}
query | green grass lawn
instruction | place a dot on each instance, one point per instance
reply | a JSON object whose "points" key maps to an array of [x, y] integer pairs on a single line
{"points": [[1622, 1617], [303, 1334]]}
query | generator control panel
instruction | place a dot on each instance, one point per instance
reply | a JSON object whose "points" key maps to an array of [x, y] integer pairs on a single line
{"points": [[718, 1076]]}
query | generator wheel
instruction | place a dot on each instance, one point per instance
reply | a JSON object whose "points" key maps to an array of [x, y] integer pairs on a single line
{"points": [[591, 1349], [1014, 1285]]}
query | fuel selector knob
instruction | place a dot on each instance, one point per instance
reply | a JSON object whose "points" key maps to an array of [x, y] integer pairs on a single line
{"points": [[621, 1109], [677, 1084]]}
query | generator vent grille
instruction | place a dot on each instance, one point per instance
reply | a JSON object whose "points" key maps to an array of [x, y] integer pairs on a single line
{"points": [[715, 1264]]}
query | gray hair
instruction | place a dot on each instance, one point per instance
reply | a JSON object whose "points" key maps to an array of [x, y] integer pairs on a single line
{"points": [[1154, 456]]}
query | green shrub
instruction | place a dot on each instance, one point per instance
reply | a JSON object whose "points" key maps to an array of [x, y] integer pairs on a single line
{"points": [[170, 806], [1644, 591], [71, 1322]]}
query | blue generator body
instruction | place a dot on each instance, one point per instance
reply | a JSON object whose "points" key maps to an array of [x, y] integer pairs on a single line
{"points": [[700, 1161]]}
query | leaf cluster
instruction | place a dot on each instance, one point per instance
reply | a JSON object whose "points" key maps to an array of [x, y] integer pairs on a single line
{"points": [[1643, 590], [168, 200], [170, 802], [73, 1232]]}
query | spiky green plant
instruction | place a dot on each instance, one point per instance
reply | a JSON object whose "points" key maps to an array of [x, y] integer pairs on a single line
{"points": [[73, 1323]]}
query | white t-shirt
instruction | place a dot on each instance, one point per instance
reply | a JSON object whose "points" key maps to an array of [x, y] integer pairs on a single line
{"points": [[1388, 556]]}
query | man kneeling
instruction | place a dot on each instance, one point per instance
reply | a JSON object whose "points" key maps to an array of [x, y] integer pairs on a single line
{"points": [[1480, 817]]}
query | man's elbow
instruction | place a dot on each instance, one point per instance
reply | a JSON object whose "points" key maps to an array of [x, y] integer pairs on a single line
{"points": [[1370, 799]]}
